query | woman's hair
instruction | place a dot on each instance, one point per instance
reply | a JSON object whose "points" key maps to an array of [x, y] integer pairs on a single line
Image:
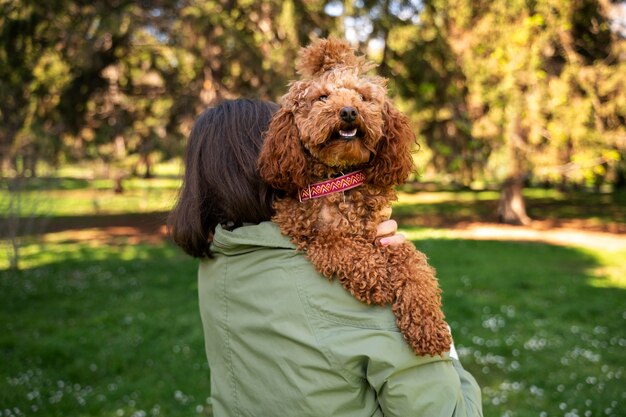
{"points": [[221, 184]]}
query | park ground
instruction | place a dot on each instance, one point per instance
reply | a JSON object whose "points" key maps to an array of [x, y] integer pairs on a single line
{"points": [[102, 319]]}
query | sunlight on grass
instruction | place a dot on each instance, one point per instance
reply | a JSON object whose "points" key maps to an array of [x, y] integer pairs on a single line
{"points": [[612, 272], [541, 193], [429, 197], [81, 195], [93, 201], [171, 168], [153, 184], [33, 255], [37, 254], [417, 233]]}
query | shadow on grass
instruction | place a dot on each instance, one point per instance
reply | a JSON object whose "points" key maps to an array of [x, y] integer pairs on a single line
{"points": [[46, 183], [444, 214], [104, 330], [147, 223], [582, 209]]}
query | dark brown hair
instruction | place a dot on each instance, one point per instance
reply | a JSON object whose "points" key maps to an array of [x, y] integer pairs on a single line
{"points": [[221, 184]]}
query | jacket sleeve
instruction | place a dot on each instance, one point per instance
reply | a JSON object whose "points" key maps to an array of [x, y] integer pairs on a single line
{"points": [[415, 386], [471, 401]]}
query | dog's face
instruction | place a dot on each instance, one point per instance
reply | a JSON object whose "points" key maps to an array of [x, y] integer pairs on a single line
{"points": [[335, 119], [339, 116]]}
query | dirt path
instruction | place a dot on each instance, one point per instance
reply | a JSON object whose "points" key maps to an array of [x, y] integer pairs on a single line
{"points": [[554, 235]]}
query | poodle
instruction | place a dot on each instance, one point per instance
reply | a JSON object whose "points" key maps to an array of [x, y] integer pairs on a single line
{"points": [[336, 148]]}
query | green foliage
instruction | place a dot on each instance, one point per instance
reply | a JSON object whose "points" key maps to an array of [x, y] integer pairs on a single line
{"points": [[536, 87], [534, 83], [122, 82], [495, 89]]}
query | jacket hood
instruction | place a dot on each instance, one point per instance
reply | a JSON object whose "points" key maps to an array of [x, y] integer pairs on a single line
{"points": [[249, 238]]}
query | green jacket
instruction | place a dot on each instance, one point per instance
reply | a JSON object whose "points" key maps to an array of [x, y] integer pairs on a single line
{"points": [[282, 340]]}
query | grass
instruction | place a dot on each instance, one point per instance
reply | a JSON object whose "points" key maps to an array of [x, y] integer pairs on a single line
{"points": [[101, 331], [541, 327], [79, 197], [95, 330]]}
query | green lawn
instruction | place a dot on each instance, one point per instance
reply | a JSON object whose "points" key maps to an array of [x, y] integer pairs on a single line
{"points": [[93, 330], [101, 331], [543, 328], [68, 196], [88, 330]]}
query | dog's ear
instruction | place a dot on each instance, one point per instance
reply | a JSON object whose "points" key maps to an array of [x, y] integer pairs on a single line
{"points": [[393, 162], [282, 163]]}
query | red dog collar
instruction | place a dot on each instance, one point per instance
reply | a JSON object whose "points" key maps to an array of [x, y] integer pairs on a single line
{"points": [[335, 185]]}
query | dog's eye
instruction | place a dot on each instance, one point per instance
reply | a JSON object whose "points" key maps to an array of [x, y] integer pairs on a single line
{"points": [[323, 98], [364, 98]]}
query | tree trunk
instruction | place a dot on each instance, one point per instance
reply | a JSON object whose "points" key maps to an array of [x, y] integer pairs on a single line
{"points": [[620, 172], [118, 184], [148, 164], [566, 154], [512, 208]]}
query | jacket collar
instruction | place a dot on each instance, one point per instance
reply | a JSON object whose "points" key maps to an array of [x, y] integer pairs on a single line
{"points": [[249, 238]]}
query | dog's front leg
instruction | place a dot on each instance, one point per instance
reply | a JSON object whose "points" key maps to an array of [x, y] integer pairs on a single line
{"points": [[417, 302]]}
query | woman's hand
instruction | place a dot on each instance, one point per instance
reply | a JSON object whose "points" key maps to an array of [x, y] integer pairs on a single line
{"points": [[386, 234]]}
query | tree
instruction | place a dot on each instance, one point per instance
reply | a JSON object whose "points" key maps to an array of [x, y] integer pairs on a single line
{"points": [[509, 91], [121, 82], [513, 91], [536, 71]]}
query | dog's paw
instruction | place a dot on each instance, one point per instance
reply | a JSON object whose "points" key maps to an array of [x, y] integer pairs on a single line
{"points": [[426, 341]]}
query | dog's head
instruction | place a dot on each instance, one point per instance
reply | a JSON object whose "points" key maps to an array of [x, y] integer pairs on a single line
{"points": [[335, 119]]}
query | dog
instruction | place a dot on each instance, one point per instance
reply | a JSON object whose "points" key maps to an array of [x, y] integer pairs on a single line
{"points": [[335, 149]]}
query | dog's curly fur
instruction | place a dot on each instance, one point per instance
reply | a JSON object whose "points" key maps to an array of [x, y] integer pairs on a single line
{"points": [[303, 146]]}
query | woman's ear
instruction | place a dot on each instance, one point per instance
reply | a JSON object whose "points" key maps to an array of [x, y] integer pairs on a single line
{"points": [[282, 163], [393, 162]]}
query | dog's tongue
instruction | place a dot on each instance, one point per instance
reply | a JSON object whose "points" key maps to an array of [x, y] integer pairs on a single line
{"points": [[347, 133]]}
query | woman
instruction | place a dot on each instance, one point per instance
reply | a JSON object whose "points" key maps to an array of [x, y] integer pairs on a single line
{"points": [[281, 339]]}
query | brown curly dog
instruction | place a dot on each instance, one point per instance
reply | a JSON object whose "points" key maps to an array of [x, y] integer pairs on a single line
{"points": [[334, 121]]}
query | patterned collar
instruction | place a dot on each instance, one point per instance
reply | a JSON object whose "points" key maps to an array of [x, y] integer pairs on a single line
{"points": [[334, 185]]}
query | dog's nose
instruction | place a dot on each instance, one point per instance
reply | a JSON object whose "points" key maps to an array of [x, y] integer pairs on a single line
{"points": [[348, 114]]}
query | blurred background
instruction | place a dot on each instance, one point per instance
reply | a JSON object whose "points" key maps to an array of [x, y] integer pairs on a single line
{"points": [[519, 198]]}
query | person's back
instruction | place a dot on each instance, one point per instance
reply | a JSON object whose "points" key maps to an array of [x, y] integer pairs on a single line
{"points": [[284, 341]]}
